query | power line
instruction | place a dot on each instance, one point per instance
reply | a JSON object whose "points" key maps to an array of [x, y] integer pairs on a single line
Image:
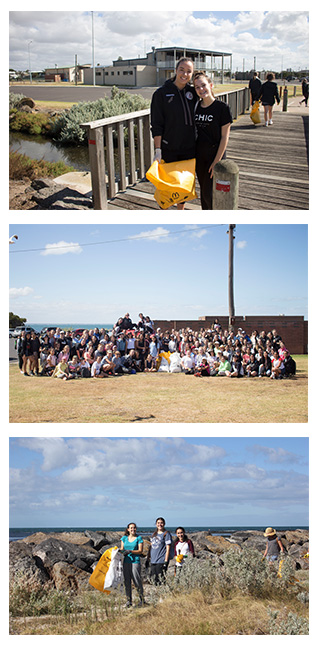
{"points": [[116, 240]]}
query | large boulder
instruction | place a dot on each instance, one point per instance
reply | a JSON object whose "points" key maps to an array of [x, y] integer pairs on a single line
{"points": [[297, 536], [100, 538], [53, 550], [24, 565], [67, 577]]}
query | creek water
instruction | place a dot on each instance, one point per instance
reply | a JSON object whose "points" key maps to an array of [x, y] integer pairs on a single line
{"points": [[38, 148]]}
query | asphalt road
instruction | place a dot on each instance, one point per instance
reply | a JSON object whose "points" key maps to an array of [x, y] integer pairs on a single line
{"points": [[51, 92]]}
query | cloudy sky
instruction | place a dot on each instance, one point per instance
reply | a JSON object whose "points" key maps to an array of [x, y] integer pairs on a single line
{"points": [[190, 481], [93, 274], [276, 38]]}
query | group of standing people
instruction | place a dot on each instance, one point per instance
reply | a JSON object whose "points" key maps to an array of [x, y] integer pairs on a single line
{"points": [[162, 548]]}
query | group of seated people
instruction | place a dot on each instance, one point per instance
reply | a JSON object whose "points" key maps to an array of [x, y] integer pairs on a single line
{"points": [[136, 347]]}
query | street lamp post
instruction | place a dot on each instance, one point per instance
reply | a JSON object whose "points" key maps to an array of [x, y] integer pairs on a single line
{"points": [[30, 73]]}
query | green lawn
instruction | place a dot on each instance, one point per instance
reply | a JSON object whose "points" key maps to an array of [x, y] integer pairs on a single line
{"points": [[159, 397]]}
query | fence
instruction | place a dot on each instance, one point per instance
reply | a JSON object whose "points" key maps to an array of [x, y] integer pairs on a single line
{"points": [[113, 170]]}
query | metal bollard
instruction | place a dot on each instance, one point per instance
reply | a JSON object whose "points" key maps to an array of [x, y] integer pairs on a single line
{"points": [[225, 190], [285, 100]]}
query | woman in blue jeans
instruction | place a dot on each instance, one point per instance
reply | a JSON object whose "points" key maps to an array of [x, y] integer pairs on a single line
{"points": [[132, 548]]}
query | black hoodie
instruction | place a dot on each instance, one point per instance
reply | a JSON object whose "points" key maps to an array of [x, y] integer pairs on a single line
{"points": [[172, 116]]}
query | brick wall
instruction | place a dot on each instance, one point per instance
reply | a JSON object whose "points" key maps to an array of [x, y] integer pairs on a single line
{"points": [[293, 330]]}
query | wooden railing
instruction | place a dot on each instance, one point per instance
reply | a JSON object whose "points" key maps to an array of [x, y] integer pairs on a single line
{"points": [[135, 156]]}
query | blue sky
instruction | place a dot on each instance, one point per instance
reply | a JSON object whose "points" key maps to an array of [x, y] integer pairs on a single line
{"points": [[95, 273], [190, 481], [276, 38]]}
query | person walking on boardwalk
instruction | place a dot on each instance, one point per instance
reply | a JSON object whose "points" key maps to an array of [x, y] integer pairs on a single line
{"points": [[254, 87], [172, 118], [305, 92], [269, 94]]}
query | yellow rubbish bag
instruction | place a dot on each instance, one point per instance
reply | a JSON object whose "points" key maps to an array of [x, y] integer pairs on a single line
{"points": [[254, 114], [98, 577], [174, 182]]}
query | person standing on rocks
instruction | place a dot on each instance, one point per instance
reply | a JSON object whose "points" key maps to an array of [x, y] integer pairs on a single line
{"points": [[159, 552], [274, 546], [132, 548]]}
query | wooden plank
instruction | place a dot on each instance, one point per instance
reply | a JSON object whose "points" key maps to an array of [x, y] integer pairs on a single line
{"points": [[110, 162], [98, 169]]}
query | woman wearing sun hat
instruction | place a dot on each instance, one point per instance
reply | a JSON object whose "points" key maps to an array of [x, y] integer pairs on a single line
{"points": [[274, 545]]}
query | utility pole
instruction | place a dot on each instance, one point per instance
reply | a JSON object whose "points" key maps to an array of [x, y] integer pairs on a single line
{"points": [[93, 63], [230, 276]]}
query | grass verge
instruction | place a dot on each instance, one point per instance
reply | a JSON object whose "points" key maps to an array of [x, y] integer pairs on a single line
{"points": [[159, 397]]}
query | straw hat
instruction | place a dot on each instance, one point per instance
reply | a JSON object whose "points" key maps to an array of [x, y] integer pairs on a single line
{"points": [[269, 532]]}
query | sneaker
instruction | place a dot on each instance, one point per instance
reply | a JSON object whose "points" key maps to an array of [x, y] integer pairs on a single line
{"points": [[128, 604], [270, 122], [266, 124]]}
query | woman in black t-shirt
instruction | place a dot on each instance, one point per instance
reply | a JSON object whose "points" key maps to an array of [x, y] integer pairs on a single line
{"points": [[213, 121]]}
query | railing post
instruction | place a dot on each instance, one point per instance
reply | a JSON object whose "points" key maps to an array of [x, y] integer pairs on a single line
{"points": [[110, 163], [148, 142], [132, 156], [285, 99], [140, 148], [121, 153], [98, 169], [225, 185]]}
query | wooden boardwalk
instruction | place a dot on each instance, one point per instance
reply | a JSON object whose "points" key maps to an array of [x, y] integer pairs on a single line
{"points": [[273, 166]]}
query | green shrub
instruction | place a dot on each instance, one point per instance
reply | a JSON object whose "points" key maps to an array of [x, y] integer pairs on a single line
{"points": [[31, 123], [66, 127], [287, 624]]}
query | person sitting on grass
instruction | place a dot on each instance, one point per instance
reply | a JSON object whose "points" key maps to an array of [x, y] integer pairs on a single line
{"points": [[236, 366], [289, 364], [74, 367], [252, 367], [61, 371], [187, 363], [224, 367], [150, 364], [276, 366], [50, 363], [96, 367], [107, 365]]}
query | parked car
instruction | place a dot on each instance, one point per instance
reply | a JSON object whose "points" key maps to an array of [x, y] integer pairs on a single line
{"points": [[18, 330], [11, 331]]}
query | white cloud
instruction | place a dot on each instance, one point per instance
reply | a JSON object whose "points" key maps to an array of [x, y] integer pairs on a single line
{"points": [[241, 244], [20, 292], [61, 248], [266, 35], [158, 235]]}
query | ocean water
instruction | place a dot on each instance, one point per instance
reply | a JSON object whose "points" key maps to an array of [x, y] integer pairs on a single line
{"points": [[16, 534]]}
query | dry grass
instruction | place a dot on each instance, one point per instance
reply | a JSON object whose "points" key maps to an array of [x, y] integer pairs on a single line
{"points": [[159, 398], [195, 613]]}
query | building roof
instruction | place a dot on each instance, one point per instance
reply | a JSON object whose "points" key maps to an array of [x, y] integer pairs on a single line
{"points": [[208, 52]]}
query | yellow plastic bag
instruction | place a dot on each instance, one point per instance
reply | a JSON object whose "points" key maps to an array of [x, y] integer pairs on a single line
{"points": [[174, 182], [254, 114], [97, 578]]}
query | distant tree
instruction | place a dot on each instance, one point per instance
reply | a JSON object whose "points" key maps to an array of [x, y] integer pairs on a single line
{"points": [[15, 320]]}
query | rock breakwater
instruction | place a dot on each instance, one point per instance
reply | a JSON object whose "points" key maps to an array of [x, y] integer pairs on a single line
{"points": [[65, 560]]}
